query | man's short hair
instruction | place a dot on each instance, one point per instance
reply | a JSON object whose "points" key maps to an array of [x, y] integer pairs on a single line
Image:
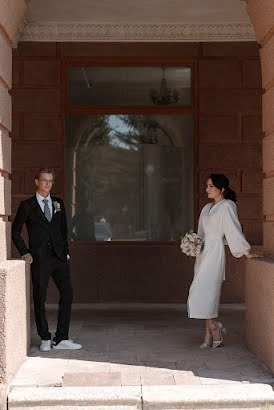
{"points": [[44, 171]]}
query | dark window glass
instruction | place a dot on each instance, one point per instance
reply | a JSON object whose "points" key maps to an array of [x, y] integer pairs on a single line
{"points": [[127, 86], [129, 177]]}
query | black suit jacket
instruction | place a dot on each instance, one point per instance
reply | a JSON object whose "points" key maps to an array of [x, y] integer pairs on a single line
{"points": [[40, 231]]}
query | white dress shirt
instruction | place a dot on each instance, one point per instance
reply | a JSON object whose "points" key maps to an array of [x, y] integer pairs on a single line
{"points": [[40, 199]]}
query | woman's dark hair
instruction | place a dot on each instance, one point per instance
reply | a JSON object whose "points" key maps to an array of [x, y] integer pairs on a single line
{"points": [[221, 181]]}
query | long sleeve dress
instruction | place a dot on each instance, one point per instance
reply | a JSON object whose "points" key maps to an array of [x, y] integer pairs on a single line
{"points": [[217, 224]]}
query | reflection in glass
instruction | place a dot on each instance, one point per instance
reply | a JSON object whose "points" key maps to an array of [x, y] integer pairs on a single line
{"points": [[129, 177], [126, 86]]}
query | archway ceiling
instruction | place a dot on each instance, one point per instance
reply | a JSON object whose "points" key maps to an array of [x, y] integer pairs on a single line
{"points": [[141, 11], [125, 20]]}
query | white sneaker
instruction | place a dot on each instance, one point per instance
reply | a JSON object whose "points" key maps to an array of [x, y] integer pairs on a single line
{"points": [[67, 344], [45, 345]]}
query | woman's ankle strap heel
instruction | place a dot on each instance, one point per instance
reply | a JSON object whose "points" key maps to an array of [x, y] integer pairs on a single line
{"points": [[218, 326]]}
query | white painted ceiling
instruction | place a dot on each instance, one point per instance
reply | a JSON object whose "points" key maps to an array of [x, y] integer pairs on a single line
{"points": [[137, 11]]}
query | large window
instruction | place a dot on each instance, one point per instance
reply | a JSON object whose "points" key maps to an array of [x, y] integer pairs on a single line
{"points": [[129, 177], [128, 86]]}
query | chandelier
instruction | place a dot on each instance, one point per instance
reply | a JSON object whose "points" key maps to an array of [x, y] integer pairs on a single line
{"points": [[164, 95]]}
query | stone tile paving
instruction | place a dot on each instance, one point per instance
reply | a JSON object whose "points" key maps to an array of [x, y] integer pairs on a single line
{"points": [[143, 346]]}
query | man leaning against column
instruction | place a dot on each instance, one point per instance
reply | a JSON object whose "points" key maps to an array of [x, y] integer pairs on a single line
{"points": [[48, 254]]}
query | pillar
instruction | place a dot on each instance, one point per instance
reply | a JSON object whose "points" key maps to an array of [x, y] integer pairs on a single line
{"points": [[14, 277], [260, 273]]}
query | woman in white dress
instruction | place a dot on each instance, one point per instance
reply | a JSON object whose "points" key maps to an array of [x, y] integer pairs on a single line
{"points": [[218, 222]]}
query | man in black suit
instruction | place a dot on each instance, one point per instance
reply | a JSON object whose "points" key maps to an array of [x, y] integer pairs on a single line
{"points": [[48, 253]]}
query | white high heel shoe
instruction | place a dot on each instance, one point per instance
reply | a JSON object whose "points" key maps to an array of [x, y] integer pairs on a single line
{"points": [[222, 330], [208, 340]]}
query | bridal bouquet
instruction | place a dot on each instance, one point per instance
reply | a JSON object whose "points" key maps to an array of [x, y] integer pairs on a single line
{"points": [[192, 244]]}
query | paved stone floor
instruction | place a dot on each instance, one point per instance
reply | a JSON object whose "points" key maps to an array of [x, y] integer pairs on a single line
{"points": [[132, 346]]}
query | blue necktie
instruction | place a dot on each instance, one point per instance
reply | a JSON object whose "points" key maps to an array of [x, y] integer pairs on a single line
{"points": [[47, 210]]}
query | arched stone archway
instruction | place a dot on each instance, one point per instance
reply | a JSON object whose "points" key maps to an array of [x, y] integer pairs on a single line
{"points": [[13, 276], [260, 273]]}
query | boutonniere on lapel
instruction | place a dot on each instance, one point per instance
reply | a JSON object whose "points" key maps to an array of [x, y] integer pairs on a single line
{"points": [[57, 206]]}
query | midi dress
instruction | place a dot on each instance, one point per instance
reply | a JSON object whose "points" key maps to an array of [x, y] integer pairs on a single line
{"points": [[218, 225]]}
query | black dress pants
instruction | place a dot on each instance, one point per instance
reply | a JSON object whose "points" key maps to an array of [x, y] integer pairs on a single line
{"points": [[41, 272]]}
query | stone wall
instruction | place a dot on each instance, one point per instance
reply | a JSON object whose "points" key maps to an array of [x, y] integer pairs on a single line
{"points": [[259, 309], [14, 275], [230, 127], [260, 274], [228, 140]]}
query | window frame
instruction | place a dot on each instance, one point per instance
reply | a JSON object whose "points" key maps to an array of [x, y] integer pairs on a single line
{"points": [[106, 61]]}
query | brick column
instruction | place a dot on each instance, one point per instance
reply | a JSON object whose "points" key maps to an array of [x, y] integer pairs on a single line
{"points": [[14, 277], [260, 273], [261, 14]]}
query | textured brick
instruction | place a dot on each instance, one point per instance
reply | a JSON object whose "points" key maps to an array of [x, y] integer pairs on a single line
{"points": [[252, 181], [12, 12], [36, 155], [203, 200], [5, 196], [230, 156], [268, 153], [17, 182], [5, 104], [6, 60], [268, 229], [252, 127], [218, 128], [268, 110], [36, 100], [230, 49], [5, 151], [229, 101], [259, 310], [5, 240], [250, 207], [126, 50], [16, 72], [268, 185], [15, 130], [36, 49], [267, 62], [15, 204], [41, 72], [261, 14], [253, 232], [38, 127], [252, 76], [219, 74]]}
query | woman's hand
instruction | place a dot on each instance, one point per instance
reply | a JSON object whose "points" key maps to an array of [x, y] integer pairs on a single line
{"points": [[252, 255]]}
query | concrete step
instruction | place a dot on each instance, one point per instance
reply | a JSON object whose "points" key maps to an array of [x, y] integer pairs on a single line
{"points": [[246, 396]]}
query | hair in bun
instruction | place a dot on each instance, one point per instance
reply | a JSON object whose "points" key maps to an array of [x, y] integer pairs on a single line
{"points": [[220, 181]]}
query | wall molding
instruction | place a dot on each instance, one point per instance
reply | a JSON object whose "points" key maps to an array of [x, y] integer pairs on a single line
{"points": [[59, 31]]}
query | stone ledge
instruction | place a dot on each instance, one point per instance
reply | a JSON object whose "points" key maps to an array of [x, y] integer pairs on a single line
{"points": [[180, 397], [14, 316], [121, 396], [149, 398], [3, 396], [11, 264], [259, 286]]}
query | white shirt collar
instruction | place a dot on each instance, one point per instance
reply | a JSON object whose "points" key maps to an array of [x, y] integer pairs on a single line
{"points": [[40, 198]]}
